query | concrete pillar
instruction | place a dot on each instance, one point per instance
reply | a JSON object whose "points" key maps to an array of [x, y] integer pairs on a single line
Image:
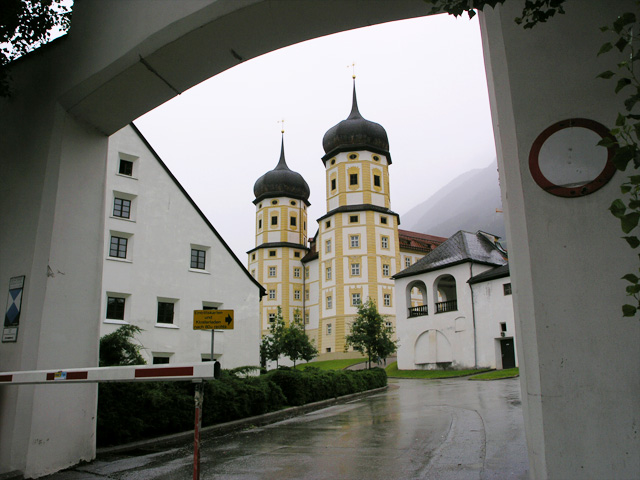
{"points": [[579, 358], [52, 224]]}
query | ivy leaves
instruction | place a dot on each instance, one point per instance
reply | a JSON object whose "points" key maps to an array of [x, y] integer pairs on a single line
{"points": [[626, 136]]}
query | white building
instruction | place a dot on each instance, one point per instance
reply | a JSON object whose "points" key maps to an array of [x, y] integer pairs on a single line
{"points": [[465, 318], [163, 259]]}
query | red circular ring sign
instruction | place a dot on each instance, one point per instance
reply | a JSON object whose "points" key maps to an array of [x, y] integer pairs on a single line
{"points": [[578, 191]]}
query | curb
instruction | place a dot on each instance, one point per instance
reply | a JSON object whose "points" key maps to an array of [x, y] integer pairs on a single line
{"points": [[182, 438]]}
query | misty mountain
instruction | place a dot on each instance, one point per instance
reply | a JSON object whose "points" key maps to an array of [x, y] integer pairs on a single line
{"points": [[468, 202]]}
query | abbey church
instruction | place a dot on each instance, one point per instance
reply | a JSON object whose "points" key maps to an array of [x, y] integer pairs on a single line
{"points": [[356, 249]]}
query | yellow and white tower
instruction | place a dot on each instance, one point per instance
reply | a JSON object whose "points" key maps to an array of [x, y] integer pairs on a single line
{"points": [[357, 241], [282, 199]]}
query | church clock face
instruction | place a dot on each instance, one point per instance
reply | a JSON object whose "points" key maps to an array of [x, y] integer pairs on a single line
{"points": [[566, 160]]}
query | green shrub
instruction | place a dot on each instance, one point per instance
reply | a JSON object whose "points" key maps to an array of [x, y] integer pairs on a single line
{"points": [[133, 411]]}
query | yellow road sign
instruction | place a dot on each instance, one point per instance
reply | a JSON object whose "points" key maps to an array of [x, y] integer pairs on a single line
{"points": [[213, 319]]}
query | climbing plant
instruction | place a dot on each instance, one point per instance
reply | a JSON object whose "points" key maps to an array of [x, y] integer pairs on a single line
{"points": [[624, 32]]}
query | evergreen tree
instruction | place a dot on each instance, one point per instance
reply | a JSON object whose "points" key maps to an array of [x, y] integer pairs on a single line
{"points": [[370, 335]]}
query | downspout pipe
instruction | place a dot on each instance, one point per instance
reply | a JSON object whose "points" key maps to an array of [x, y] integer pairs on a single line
{"points": [[473, 316]]}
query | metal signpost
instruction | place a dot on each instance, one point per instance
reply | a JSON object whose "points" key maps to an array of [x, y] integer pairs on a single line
{"points": [[206, 320]]}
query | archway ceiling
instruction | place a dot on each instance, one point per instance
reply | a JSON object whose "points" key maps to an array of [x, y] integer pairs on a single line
{"points": [[203, 43]]}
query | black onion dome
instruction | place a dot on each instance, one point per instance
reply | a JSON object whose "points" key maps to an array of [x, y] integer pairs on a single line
{"points": [[355, 133], [281, 182]]}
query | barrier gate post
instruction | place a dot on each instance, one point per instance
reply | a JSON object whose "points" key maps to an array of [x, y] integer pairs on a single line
{"points": [[199, 400]]}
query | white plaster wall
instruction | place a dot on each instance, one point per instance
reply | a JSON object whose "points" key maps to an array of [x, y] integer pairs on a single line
{"points": [[457, 326], [165, 227], [492, 307]]}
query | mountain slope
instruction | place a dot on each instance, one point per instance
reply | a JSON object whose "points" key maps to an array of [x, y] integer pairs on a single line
{"points": [[468, 202]]}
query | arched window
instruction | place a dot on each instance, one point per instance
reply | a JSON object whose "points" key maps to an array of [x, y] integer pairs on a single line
{"points": [[446, 298], [416, 296]]}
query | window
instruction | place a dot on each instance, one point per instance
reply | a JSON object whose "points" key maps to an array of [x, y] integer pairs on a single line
{"points": [[385, 270], [388, 324], [274, 202], [296, 254], [272, 253], [306, 272], [353, 156], [115, 308], [355, 241], [385, 242], [329, 301], [407, 261], [274, 220], [259, 223], [253, 256], [353, 219], [327, 246], [198, 258], [328, 329], [328, 350], [355, 299], [160, 360], [272, 317], [387, 299], [126, 168], [272, 294], [118, 247], [121, 208], [376, 180], [293, 221], [296, 294], [272, 271], [383, 220], [253, 273], [507, 288], [296, 272], [333, 184], [355, 269], [353, 179], [306, 294], [376, 158], [165, 312], [328, 273], [503, 327], [306, 318], [327, 224], [293, 202]]}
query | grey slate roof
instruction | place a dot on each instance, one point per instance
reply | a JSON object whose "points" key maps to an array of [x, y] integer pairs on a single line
{"points": [[479, 247], [497, 272]]}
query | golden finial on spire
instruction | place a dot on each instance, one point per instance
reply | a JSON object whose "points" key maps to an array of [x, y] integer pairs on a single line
{"points": [[281, 122], [353, 70]]}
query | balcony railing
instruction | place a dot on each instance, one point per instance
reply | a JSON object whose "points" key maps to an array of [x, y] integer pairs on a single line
{"points": [[448, 306], [418, 311]]}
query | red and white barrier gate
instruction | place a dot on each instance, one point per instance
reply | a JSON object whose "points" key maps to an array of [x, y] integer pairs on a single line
{"points": [[197, 372]]}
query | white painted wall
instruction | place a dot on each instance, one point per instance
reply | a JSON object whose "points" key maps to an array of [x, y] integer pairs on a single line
{"points": [[165, 227], [492, 307]]}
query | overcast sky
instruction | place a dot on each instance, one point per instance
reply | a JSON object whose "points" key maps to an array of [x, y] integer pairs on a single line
{"points": [[423, 80]]}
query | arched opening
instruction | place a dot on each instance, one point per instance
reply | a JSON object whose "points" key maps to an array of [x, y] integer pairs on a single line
{"points": [[433, 350], [445, 294], [416, 298]]}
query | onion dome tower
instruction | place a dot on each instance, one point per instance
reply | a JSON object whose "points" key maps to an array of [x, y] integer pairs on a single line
{"points": [[357, 241], [281, 200]]}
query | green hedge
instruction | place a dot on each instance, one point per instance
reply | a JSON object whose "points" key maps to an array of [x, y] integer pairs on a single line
{"points": [[133, 411]]}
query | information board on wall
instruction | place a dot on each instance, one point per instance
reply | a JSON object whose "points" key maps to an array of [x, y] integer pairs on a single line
{"points": [[12, 312]]}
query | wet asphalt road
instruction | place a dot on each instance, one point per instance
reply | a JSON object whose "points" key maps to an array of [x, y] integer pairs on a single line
{"points": [[435, 429]]}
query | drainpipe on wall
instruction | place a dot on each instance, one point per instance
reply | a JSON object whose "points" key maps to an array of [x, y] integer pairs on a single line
{"points": [[473, 316]]}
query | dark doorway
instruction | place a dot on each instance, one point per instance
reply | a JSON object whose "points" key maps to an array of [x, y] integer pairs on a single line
{"points": [[508, 354]]}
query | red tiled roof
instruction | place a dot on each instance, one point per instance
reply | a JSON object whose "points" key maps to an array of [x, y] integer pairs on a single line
{"points": [[419, 242]]}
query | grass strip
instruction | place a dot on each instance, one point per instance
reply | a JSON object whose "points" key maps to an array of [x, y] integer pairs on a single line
{"points": [[392, 371], [332, 364], [497, 374]]}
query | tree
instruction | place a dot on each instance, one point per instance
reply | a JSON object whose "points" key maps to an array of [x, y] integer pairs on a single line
{"points": [[272, 344], [296, 343], [117, 348], [533, 12], [24, 26], [370, 335]]}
